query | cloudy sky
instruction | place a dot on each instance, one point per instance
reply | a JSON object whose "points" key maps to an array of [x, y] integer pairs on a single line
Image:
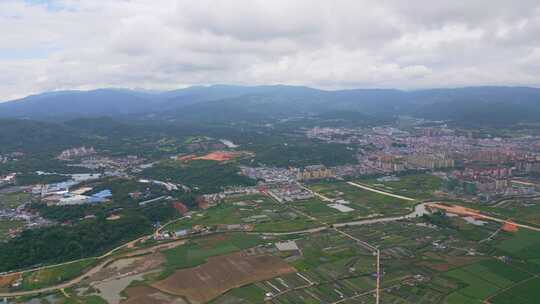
{"points": [[84, 44]]}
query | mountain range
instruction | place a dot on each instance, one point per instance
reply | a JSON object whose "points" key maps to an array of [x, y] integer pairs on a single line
{"points": [[486, 105]]}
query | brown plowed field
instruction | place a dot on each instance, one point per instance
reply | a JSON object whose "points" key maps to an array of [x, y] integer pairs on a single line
{"points": [[203, 283], [146, 295]]}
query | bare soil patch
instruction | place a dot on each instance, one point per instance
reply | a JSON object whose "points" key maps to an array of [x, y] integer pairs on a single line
{"points": [[205, 282], [8, 279], [138, 261], [219, 156], [129, 266], [510, 227], [146, 294]]}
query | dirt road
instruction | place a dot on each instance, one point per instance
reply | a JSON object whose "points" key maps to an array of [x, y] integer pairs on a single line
{"points": [[419, 210]]}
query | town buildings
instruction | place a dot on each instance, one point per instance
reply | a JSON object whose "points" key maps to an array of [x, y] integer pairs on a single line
{"points": [[288, 192], [7, 179], [531, 165], [314, 172], [76, 152], [429, 161], [269, 174]]}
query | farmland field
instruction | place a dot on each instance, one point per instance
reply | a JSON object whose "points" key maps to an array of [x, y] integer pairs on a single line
{"points": [[526, 293], [260, 211], [198, 250], [337, 267], [322, 211], [521, 210], [53, 275], [219, 274], [248, 293], [524, 244], [427, 260], [365, 203], [419, 186], [475, 287], [483, 279], [142, 294], [497, 272]]}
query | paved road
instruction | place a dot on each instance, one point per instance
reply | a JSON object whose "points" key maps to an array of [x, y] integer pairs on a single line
{"points": [[479, 215], [128, 244], [504, 200], [322, 197], [110, 252], [67, 284], [71, 282], [90, 272], [153, 200], [419, 210], [380, 192], [507, 221], [305, 231], [95, 269]]}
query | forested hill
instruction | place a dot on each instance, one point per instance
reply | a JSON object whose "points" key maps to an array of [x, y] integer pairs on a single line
{"points": [[479, 105], [483, 105], [32, 135]]}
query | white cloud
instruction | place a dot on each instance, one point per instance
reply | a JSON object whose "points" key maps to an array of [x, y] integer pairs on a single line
{"points": [[73, 44]]}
